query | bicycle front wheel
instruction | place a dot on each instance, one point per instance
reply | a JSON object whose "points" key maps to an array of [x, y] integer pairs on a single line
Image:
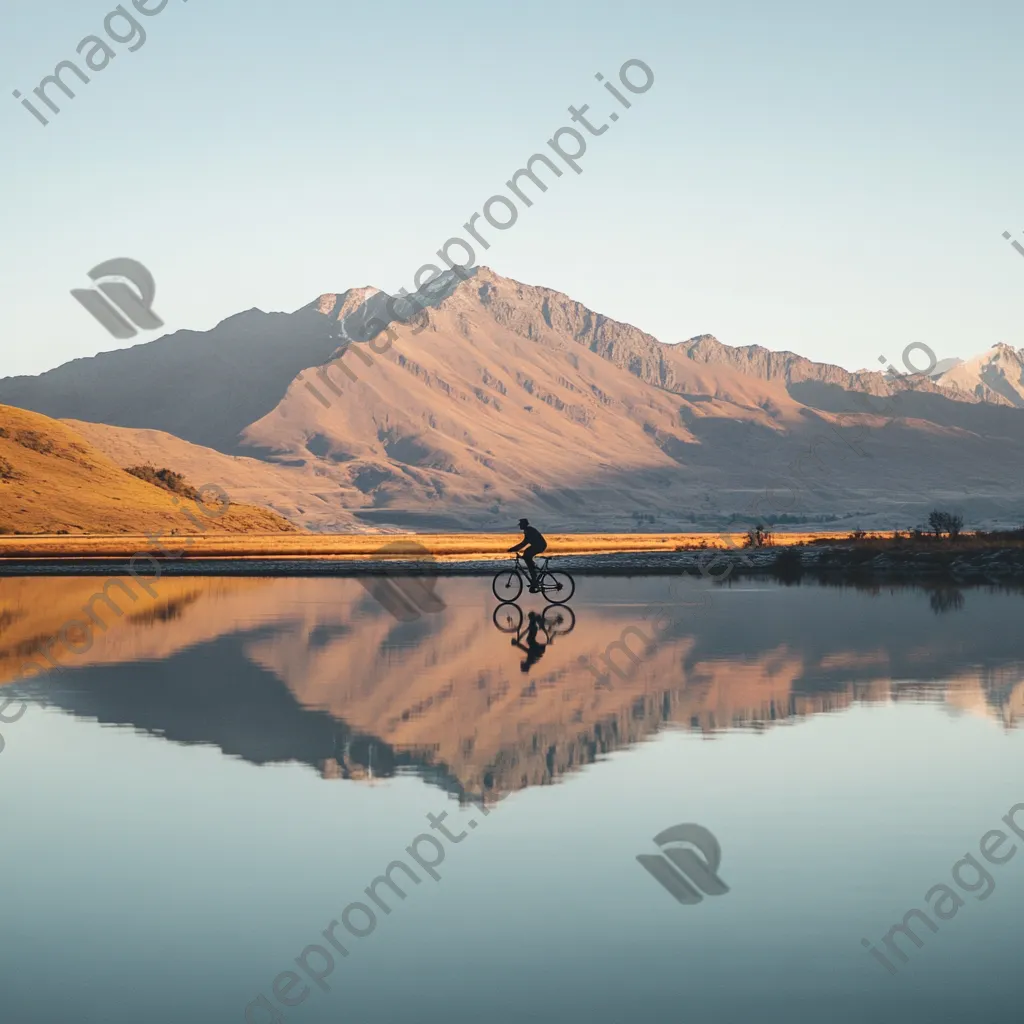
{"points": [[507, 585], [557, 587]]}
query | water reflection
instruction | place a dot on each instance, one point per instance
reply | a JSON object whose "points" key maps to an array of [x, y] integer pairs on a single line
{"points": [[946, 599], [318, 672], [537, 631]]}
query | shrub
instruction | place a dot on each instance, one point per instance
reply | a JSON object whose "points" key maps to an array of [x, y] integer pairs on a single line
{"points": [[35, 441], [164, 478], [758, 537], [946, 522], [7, 470], [789, 564]]}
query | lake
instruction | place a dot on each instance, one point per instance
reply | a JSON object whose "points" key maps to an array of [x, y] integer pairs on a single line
{"points": [[314, 800]]}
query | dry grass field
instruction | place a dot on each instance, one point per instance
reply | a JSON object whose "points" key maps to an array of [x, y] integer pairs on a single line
{"points": [[453, 546]]}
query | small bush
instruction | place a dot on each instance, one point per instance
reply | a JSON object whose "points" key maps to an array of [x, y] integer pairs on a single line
{"points": [[34, 441], [946, 522], [166, 479], [7, 471], [758, 537], [789, 564]]}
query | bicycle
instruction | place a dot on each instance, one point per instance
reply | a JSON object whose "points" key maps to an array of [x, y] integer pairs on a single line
{"points": [[557, 587]]}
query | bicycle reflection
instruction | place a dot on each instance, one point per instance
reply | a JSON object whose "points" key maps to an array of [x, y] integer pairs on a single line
{"points": [[554, 621]]}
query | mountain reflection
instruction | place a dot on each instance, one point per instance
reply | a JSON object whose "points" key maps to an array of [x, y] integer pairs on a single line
{"points": [[318, 672]]}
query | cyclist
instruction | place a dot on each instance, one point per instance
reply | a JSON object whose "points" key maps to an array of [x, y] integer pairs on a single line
{"points": [[533, 543]]}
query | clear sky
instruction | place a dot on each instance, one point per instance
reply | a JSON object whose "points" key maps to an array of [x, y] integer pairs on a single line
{"points": [[829, 178]]}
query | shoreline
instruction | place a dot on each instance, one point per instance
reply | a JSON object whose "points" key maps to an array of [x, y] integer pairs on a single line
{"points": [[827, 563]]}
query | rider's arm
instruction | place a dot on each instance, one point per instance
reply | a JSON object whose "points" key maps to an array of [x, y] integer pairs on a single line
{"points": [[520, 545]]}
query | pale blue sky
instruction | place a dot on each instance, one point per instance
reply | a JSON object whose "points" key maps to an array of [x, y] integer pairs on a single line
{"points": [[823, 177]]}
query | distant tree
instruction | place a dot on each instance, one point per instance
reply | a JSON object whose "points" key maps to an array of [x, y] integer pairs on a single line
{"points": [[946, 522]]}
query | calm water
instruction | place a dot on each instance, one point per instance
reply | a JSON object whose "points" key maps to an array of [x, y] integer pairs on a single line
{"points": [[190, 803]]}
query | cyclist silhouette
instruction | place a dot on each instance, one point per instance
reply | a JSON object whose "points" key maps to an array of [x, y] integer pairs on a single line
{"points": [[534, 650], [533, 543]]}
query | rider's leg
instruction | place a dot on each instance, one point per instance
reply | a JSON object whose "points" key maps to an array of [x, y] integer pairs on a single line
{"points": [[531, 567]]}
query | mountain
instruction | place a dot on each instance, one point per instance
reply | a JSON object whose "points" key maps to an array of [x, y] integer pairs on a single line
{"points": [[504, 399], [995, 376], [52, 480]]}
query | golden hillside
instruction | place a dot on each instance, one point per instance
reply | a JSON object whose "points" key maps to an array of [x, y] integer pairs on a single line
{"points": [[54, 481]]}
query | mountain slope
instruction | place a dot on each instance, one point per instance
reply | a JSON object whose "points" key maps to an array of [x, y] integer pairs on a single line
{"points": [[53, 480], [205, 387], [298, 493], [995, 376]]}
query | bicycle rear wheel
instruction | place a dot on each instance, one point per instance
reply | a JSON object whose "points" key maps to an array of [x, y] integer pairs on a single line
{"points": [[507, 585], [508, 617], [557, 587]]}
